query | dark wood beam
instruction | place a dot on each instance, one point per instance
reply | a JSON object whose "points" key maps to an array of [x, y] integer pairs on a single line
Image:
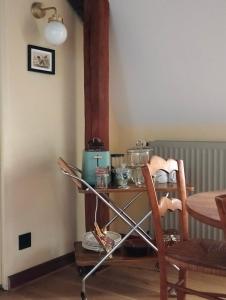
{"points": [[78, 6], [96, 82]]}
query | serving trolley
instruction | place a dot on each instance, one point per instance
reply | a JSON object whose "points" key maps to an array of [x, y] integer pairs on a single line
{"points": [[85, 258]]}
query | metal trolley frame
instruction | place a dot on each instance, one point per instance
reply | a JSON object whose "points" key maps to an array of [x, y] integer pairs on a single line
{"points": [[102, 195]]}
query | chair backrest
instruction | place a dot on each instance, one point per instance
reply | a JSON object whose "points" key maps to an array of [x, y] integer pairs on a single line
{"points": [[159, 208], [221, 206], [70, 171]]}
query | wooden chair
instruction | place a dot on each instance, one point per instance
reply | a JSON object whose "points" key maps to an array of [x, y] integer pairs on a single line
{"points": [[221, 205], [205, 256]]}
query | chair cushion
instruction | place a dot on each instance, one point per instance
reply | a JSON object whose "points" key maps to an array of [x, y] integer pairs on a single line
{"points": [[207, 256]]}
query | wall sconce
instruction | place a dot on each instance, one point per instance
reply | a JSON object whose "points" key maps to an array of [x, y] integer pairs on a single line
{"points": [[55, 31]]}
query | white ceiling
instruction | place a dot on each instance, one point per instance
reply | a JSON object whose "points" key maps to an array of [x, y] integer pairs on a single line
{"points": [[168, 61]]}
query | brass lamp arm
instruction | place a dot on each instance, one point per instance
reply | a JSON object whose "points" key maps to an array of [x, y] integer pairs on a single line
{"points": [[51, 7], [39, 12], [55, 31]]}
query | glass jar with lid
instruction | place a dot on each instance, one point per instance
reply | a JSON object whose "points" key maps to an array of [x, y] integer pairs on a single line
{"points": [[136, 158], [139, 155]]}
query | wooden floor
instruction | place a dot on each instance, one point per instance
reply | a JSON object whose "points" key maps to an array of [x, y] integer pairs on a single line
{"points": [[117, 282]]}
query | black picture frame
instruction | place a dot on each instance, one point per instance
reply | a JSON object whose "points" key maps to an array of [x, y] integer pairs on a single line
{"points": [[40, 59]]}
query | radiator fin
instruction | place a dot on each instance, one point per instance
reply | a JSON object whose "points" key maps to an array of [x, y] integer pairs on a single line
{"points": [[205, 169]]}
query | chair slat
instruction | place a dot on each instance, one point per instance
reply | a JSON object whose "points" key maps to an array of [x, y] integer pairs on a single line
{"points": [[169, 204], [206, 256]]}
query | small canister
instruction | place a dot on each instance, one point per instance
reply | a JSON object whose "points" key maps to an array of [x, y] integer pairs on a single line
{"points": [[102, 177], [117, 160]]}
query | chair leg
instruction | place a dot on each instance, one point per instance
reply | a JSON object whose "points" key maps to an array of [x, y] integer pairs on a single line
{"points": [[183, 279], [163, 283]]}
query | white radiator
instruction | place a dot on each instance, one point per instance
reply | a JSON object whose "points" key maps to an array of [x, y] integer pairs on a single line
{"points": [[205, 169]]}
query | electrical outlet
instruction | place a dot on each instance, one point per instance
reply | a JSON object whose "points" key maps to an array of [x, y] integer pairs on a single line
{"points": [[24, 240]]}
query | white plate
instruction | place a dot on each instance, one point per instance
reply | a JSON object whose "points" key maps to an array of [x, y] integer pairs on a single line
{"points": [[89, 241], [96, 249]]}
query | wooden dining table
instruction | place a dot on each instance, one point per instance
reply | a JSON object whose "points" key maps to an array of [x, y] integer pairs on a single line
{"points": [[202, 206]]}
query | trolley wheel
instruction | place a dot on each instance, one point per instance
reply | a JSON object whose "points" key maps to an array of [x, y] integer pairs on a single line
{"points": [[83, 296], [157, 267], [172, 292], [82, 271]]}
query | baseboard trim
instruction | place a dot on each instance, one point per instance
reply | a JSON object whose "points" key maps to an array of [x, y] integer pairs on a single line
{"points": [[40, 270]]}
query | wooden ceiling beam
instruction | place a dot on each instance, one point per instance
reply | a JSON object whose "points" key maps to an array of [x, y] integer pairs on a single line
{"points": [[78, 6], [96, 82], [95, 16]]}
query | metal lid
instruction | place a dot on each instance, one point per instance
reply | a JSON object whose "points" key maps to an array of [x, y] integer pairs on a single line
{"points": [[140, 148], [137, 150], [95, 144]]}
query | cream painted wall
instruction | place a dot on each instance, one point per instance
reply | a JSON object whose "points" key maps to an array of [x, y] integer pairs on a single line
{"points": [[41, 119], [1, 95]]}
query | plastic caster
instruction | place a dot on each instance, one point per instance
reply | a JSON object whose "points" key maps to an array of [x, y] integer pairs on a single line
{"points": [[81, 271], [83, 296], [172, 292], [157, 267]]}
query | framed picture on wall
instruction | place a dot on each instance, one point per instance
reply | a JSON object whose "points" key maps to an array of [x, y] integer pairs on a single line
{"points": [[41, 59]]}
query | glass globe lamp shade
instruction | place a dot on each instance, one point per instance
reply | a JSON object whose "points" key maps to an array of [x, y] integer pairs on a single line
{"points": [[55, 33]]}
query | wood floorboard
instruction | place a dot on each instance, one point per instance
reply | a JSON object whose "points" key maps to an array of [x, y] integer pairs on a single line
{"points": [[140, 281]]}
